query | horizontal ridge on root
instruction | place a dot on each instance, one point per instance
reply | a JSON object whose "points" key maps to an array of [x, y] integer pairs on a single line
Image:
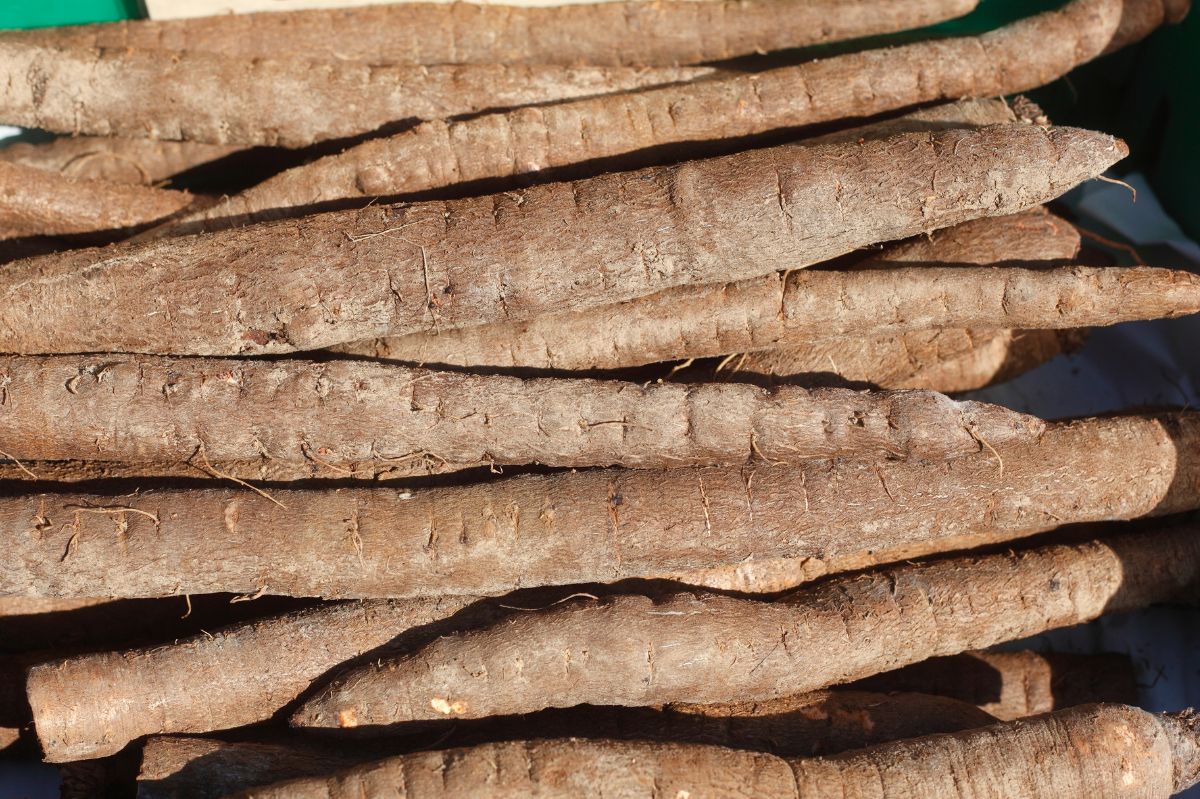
{"points": [[343, 416], [632, 650], [346, 276], [594, 526]]}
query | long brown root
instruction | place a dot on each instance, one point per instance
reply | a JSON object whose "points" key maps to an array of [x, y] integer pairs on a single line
{"points": [[597, 525], [390, 270], [633, 650], [1099, 751]]}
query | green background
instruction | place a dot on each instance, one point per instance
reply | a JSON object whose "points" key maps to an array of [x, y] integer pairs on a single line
{"points": [[35, 14], [1146, 94]]}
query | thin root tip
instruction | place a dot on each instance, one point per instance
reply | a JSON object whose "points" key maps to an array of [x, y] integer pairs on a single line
{"points": [[312, 715], [1177, 10]]}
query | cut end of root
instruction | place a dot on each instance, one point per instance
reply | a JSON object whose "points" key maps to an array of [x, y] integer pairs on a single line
{"points": [[1183, 732]]}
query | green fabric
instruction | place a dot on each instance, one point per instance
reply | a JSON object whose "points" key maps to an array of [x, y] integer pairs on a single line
{"points": [[44, 13]]}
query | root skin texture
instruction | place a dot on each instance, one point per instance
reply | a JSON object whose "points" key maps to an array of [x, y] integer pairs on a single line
{"points": [[811, 305], [389, 270], [36, 202], [691, 321], [949, 359], [823, 722], [1022, 56], [611, 33], [218, 100], [1099, 751], [594, 526], [233, 677], [1011, 685], [344, 413], [129, 161], [636, 651]]}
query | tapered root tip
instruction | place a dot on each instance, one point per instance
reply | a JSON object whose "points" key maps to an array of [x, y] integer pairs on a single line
{"points": [[1083, 154], [325, 712], [1177, 10], [1183, 732]]}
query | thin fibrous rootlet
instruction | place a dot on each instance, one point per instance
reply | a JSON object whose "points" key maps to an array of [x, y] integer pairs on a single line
{"points": [[1098, 751], [37, 202], [279, 101], [341, 413], [634, 33], [654, 122], [634, 650], [131, 161], [388, 270], [823, 722], [594, 526]]}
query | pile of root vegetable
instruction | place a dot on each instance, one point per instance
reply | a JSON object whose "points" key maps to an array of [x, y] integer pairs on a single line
{"points": [[540, 401]]}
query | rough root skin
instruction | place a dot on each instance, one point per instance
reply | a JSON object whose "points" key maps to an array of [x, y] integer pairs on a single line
{"points": [[389, 270], [1011, 685], [636, 651], [811, 305], [716, 318], [131, 161], [824, 723], [256, 101], [612, 33], [36, 202], [344, 413], [595, 525], [1099, 751], [1022, 56], [141, 692], [949, 359]]}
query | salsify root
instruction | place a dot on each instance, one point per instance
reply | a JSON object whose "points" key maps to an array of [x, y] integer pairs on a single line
{"points": [[1099, 751], [595, 526], [389, 270], [625, 32], [637, 651]]}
